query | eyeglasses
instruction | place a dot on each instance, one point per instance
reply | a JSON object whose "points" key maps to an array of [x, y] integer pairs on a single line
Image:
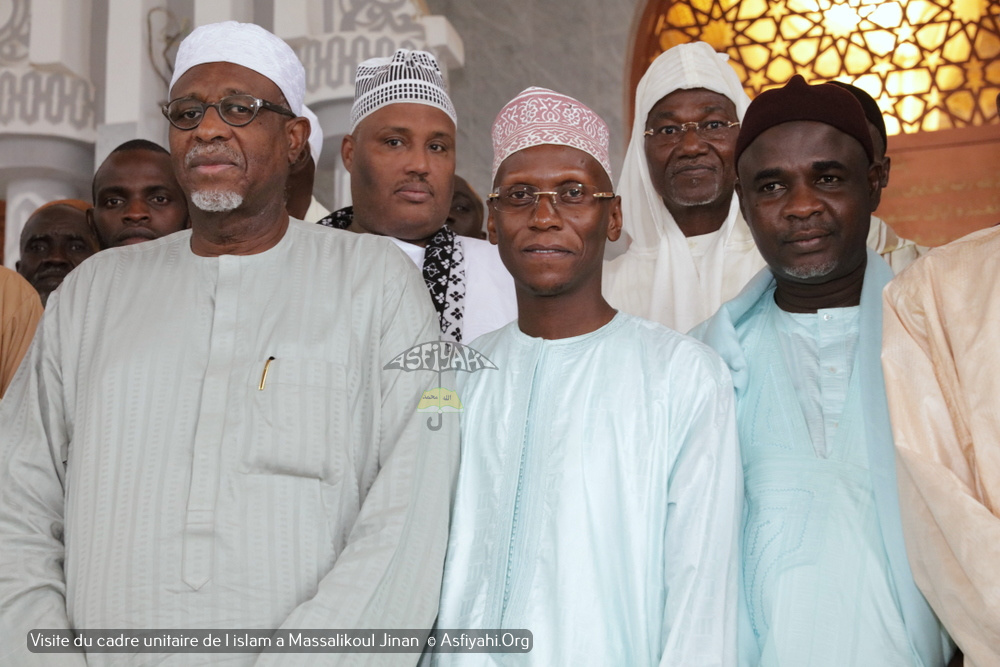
{"points": [[570, 197], [187, 113], [709, 130]]}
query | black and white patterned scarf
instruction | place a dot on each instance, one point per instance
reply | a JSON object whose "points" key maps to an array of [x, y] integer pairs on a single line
{"points": [[443, 270]]}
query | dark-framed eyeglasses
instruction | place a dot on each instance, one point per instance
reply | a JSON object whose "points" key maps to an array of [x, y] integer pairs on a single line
{"points": [[569, 197], [186, 113], [709, 130]]}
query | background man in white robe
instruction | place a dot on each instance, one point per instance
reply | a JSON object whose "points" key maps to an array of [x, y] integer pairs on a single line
{"points": [[599, 492], [205, 436], [55, 240], [136, 196], [690, 249], [401, 157], [301, 203], [467, 214]]}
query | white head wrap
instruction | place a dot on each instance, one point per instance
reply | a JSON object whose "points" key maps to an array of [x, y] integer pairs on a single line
{"points": [[540, 116], [680, 298], [247, 45], [406, 76], [315, 134]]}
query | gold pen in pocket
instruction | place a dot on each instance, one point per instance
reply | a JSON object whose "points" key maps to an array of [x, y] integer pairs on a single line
{"points": [[263, 376]]}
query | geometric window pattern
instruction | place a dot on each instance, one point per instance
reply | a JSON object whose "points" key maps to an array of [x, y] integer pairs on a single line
{"points": [[930, 64]]}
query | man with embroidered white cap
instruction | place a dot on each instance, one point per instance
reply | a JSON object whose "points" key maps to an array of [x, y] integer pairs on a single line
{"points": [[401, 157], [690, 249], [204, 436], [599, 494]]}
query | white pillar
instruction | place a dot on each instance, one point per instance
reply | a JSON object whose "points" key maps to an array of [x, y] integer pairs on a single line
{"points": [[56, 42], [213, 11], [134, 89], [126, 55], [295, 19], [444, 42], [23, 197]]}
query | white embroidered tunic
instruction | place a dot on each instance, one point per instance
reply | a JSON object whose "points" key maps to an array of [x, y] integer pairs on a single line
{"points": [[155, 477]]}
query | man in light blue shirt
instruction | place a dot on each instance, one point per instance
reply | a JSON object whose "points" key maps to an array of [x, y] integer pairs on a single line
{"points": [[599, 490], [825, 575]]}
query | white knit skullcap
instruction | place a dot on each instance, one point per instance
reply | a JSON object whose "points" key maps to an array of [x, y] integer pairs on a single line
{"points": [[407, 76], [315, 134], [247, 45]]}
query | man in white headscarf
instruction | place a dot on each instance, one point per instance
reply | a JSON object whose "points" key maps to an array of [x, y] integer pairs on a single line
{"points": [[690, 249], [204, 433]]}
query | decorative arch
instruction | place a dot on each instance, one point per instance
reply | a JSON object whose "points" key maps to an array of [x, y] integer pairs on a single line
{"points": [[930, 64]]}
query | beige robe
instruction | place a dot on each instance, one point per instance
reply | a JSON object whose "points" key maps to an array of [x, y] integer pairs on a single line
{"points": [[897, 251], [20, 310], [942, 375]]}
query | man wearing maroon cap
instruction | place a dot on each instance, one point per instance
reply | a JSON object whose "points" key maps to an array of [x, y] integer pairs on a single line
{"points": [[825, 574]]}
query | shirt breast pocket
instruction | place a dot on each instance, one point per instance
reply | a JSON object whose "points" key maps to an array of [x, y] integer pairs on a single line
{"points": [[299, 420]]}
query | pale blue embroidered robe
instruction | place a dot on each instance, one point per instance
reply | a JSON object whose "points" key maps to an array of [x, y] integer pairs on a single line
{"points": [[598, 500], [825, 580]]}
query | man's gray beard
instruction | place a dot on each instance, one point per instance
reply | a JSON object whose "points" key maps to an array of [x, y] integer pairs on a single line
{"points": [[216, 201], [695, 201], [680, 199], [815, 271]]}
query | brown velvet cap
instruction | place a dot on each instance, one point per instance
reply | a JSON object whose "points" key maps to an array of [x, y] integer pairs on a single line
{"points": [[797, 100]]}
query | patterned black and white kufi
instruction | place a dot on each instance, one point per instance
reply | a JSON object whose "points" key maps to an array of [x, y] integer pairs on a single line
{"points": [[406, 76]]}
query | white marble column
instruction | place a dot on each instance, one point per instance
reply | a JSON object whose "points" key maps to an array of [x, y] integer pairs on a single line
{"points": [[56, 41], [295, 19], [213, 11], [134, 89]]}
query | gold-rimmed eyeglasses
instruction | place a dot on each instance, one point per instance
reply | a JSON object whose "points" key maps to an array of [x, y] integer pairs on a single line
{"points": [[570, 197], [709, 130], [186, 113]]}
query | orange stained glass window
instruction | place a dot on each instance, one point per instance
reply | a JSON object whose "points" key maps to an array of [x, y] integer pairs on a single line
{"points": [[930, 64]]}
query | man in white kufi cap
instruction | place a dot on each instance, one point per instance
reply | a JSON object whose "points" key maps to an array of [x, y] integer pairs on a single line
{"points": [[599, 494], [401, 157], [689, 248], [204, 433]]}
